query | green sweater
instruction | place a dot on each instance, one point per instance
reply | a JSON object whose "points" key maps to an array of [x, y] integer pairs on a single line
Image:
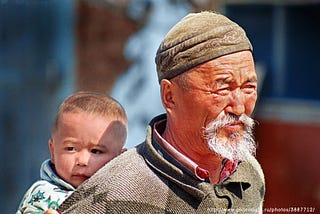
{"points": [[142, 181]]}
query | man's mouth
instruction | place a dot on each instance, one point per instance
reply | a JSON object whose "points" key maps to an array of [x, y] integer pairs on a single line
{"points": [[234, 127]]}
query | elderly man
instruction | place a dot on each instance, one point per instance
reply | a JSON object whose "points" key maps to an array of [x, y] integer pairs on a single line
{"points": [[199, 156]]}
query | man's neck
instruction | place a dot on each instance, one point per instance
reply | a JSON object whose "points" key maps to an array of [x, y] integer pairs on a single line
{"points": [[198, 152]]}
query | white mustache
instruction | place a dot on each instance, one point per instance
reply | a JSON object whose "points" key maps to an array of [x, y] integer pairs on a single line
{"points": [[232, 151], [218, 123]]}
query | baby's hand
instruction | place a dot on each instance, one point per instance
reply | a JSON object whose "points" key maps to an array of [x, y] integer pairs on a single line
{"points": [[50, 211]]}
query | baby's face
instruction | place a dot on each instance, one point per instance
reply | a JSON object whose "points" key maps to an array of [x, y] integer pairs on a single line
{"points": [[83, 143]]}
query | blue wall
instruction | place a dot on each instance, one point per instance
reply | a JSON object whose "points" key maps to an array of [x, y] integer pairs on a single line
{"points": [[36, 72]]}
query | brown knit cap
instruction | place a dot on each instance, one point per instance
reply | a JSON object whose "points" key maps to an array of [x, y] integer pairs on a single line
{"points": [[198, 38]]}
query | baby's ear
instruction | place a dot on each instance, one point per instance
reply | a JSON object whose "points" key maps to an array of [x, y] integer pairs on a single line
{"points": [[51, 148]]}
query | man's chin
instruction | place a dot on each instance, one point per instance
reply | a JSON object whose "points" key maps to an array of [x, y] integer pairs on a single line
{"points": [[231, 152]]}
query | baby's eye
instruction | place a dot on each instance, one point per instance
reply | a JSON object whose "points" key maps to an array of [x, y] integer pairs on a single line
{"points": [[96, 151], [70, 148]]}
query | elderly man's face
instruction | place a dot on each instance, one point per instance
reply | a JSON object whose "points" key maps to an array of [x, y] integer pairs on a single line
{"points": [[224, 86]]}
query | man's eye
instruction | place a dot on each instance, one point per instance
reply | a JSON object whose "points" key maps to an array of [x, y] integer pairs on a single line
{"points": [[223, 91], [249, 88], [96, 151]]}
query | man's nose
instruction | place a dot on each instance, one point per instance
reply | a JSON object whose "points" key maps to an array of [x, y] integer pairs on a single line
{"points": [[236, 103]]}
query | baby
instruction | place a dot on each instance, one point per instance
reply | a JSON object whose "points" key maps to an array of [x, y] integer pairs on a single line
{"points": [[89, 130]]}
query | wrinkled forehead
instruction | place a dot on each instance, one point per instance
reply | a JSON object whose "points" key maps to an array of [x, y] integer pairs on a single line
{"points": [[237, 64]]}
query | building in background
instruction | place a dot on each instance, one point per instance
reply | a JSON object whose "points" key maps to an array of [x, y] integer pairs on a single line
{"points": [[138, 88]]}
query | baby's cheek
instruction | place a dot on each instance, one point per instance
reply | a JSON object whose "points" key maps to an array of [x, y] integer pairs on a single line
{"points": [[97, 164]]}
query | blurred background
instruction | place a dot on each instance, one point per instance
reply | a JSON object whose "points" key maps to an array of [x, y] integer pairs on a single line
{"points": [[51, 48]]}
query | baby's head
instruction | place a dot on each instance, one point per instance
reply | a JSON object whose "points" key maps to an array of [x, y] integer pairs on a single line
{"points": [[89, 130]]}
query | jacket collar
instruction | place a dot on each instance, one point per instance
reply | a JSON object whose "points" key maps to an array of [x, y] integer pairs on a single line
{"points": [[47, 172], [160, 160]]}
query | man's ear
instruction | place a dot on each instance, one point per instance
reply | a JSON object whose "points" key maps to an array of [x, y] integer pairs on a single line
{"points": [[51, 148], [166, 88]]}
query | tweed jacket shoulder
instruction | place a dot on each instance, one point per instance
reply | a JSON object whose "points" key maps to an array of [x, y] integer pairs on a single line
{"points": [[142, 181]]}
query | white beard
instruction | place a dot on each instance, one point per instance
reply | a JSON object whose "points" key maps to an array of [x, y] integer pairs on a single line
{"points": [[233, 147]]}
